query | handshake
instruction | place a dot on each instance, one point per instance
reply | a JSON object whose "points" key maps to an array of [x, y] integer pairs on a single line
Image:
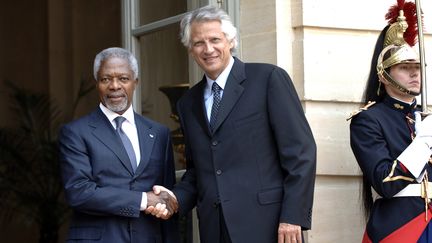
{"points": [[161, 203]]}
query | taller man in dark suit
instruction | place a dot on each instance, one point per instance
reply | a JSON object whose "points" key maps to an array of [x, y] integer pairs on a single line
{"points": [[111, 157], [251, 156]]}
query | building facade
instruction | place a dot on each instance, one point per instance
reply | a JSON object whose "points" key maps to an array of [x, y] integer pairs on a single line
{"points": [[326, 47]]}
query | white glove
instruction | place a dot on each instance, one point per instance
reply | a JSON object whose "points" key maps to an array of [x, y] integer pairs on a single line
{"points": [[423, 128], [417, 154]]}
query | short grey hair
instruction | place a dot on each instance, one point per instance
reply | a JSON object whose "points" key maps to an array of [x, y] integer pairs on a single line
{"points": [[119, 53], [206, 14]]}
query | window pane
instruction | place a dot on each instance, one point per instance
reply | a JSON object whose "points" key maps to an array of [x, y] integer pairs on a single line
{"points": [[154, 10], [164, 62]]}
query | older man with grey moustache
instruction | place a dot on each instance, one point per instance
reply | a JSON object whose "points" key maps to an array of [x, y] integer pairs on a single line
{"points": [[111, 157]]}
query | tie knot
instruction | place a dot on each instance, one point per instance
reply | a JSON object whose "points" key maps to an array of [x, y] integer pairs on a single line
{"points": [[119, 121], [216, 88]]}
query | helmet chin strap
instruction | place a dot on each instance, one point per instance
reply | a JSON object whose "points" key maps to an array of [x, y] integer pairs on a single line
{"points": [[386, 76]]}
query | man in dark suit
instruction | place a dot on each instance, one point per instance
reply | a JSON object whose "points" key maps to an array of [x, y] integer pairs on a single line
{"points": [[251, 156], [111, 157]]}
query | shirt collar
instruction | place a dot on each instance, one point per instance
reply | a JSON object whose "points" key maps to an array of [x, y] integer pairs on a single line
{"points": [[111, 115], [223, 77]]}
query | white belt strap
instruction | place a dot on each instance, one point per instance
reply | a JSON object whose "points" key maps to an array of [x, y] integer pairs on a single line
{"points": [[415, 190]]}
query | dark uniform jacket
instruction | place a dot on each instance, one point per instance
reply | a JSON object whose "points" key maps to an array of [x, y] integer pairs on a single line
{"points": [[378, 136]]}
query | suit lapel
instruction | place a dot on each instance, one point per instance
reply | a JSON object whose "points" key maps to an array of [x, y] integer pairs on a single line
{"points": [[198, 106], [105, 133], [146, 137], [231, 92]]}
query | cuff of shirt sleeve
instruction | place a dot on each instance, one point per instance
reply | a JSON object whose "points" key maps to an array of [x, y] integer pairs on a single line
{"points": [[143, 201]]}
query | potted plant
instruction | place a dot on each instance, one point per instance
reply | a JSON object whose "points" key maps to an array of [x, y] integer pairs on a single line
{"points": [[31, 191]]}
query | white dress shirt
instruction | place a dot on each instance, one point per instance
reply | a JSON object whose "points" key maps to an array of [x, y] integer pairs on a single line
{"points": [[129, 127], [221, 81]]}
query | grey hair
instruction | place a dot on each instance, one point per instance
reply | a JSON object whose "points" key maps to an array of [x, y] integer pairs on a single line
{"points": [[119, 53], [206, 14]]}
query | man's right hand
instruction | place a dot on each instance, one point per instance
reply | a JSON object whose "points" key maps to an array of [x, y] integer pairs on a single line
{"points": [[161, 202]]}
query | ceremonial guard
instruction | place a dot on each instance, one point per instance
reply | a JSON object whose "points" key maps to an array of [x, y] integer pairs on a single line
{"points": [[391, 139]]}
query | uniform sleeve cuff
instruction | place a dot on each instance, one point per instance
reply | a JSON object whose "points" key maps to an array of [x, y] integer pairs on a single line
{"points": [[415, 157]]}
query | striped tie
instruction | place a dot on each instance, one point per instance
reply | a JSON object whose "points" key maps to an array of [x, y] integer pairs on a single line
{"points": [[216, 89], [126, 142]]}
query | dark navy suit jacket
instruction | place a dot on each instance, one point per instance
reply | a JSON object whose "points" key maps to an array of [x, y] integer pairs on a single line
{"points": [[102, 188], [258, 165]]}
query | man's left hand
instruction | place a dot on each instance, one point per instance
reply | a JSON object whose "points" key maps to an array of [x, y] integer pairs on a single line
{"points": [[289, 233]]}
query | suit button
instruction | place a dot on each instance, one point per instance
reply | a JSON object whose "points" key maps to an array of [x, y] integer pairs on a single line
{"points": [[218, 172], [216, 204], [214, 143]]}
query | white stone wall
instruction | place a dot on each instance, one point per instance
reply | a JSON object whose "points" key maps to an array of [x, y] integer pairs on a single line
{"points": [[326, 46]]}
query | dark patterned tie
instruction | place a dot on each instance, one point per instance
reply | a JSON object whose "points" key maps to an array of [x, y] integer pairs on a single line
{"points": [[216, 89], [126, 142]]}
